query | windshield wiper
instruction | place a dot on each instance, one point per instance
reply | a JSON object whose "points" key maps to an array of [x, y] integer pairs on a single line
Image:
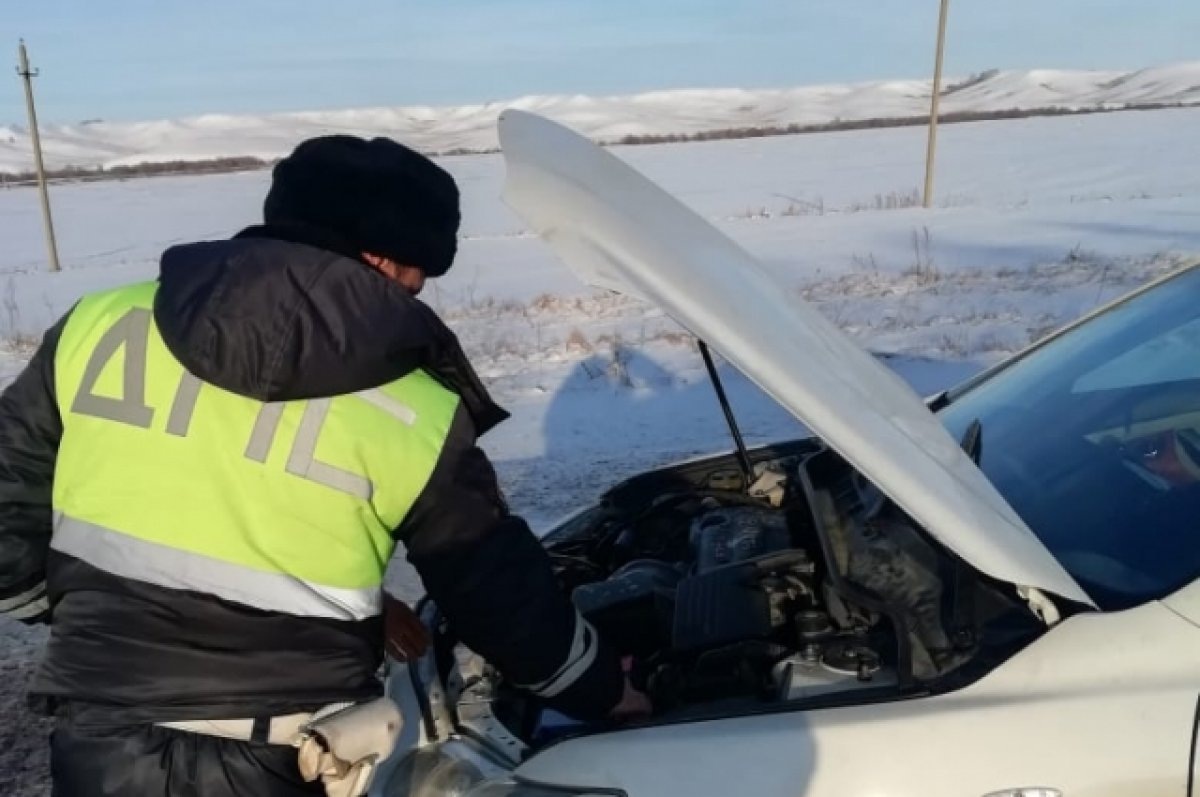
{"points": [[939, 401], [972, 441]]}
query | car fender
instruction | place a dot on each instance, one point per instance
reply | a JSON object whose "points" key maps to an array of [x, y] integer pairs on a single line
{"points": [[1100, 706]]}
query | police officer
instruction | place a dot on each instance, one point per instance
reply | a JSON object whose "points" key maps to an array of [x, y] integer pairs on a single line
{"points": [[203, 478]]}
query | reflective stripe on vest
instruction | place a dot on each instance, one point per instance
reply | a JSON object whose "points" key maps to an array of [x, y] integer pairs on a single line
{"points": [[285, 507]]}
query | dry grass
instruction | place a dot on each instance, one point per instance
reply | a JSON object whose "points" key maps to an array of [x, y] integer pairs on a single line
{"points": [[760, 212], [893, 200], [838, 125], [13, 338], [796, 206], [578, 343], [923, 267]]}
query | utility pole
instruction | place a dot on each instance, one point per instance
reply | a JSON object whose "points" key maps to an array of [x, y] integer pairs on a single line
{"points": [[28, 75], [933, 111]]}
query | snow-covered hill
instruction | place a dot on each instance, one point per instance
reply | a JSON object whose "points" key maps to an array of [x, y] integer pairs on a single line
{"points": [[1035, 222], [680, 112]]}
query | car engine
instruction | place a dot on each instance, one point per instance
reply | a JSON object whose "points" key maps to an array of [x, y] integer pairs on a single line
{"points": [[801, 588], [720, 599]]}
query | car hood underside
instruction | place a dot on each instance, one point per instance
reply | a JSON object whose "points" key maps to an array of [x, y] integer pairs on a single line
{"points": [[619, 231]]}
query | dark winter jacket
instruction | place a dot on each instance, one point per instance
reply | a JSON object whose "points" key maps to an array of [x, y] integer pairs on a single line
{"points": [[277, 314]]}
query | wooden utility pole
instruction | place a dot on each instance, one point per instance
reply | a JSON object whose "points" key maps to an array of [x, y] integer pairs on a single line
{"points": [[28, 75], [933, 110]]}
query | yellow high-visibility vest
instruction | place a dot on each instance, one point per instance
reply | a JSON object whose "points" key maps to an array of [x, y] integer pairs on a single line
{"points": [[284, 507]]}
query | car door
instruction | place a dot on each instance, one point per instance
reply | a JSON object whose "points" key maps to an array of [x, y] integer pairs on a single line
{"points": [[1186, 603], [1193, 770]]}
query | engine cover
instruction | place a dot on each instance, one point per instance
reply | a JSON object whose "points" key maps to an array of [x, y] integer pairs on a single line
{"points": [[632, 609], [734, 534], [720, 607]]}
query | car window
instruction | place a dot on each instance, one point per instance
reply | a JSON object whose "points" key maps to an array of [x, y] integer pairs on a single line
{"points": [[1094, 439], [1170, 357]]}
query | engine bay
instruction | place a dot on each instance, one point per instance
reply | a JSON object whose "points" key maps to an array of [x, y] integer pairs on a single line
{"points": [[737, 611], [802, 586]]}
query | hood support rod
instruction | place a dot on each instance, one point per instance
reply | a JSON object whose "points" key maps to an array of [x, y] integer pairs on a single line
{"points": [[743, 456]]}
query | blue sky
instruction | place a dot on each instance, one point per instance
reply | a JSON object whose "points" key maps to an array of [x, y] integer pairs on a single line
{"points": [[145, 59]]}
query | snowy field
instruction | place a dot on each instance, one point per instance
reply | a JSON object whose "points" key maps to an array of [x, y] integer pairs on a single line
{"points": [[95, 143], [1036, 222]]}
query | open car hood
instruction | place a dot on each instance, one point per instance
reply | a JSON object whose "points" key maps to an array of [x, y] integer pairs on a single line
{"points": [[619, 231]]}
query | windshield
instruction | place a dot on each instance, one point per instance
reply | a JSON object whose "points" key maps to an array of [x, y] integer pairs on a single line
{"points": [[1094, 439]]}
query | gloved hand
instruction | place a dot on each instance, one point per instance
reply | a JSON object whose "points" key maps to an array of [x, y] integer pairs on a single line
{"points": [[406, 638], [342, 746], [339, 778], [634, 703]]}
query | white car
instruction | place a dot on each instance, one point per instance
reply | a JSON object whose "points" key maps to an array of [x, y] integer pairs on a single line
{"points": [[992, 592]]}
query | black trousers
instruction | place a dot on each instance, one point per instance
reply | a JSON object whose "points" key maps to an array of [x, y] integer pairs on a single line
{"points": [[148, 761]]}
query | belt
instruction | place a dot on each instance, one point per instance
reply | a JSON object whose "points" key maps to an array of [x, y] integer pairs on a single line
{"points": [[285, 730]]}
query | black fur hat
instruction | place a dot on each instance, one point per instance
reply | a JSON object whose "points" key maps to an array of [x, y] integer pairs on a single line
{"points": [[377, 195]]}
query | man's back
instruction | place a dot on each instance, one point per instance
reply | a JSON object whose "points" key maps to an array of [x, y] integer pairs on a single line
{"points": [[202, 481], [229, 536]]}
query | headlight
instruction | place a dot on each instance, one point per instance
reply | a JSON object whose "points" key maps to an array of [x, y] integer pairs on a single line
{"points": [[458, 768], [515, 788], [449, 769]]}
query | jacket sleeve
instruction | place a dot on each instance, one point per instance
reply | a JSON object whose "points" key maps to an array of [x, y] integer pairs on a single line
{"points": [[493, 580], [30, 430]]}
